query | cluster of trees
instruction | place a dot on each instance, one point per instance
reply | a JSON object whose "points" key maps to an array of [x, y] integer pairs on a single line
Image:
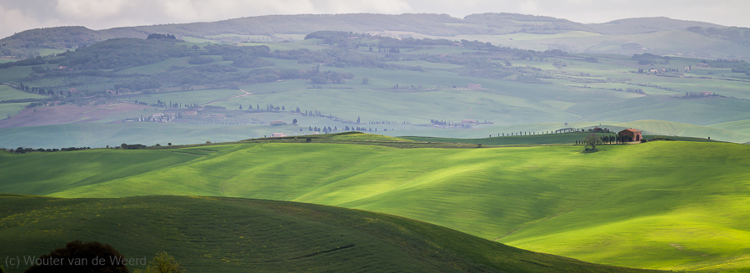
{"points": [[522, 133], [126, 146], [593, 140], [440, 122], [325, 129], [335, 37], [77, 256], [157, 36], [361, 129], [22, 150], [387, 122], [120, 53], [631, 90], [648, 58], [38, 90]]}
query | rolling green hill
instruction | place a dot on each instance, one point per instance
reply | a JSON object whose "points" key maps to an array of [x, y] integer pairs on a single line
{"points": [[208, 234], [661, 205], [740, 126]]}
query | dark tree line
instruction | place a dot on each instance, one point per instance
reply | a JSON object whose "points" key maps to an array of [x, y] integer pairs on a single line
{"points": [[22, 150], [157, 36]]}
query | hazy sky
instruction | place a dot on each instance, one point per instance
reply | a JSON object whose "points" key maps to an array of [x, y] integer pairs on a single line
{"points": [[19, 15]]}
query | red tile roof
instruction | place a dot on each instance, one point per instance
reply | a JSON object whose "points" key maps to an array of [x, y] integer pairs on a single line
{"points": [[632, 130]]}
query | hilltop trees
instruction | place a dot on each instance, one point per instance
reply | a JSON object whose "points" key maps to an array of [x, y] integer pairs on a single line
{"points": [[156, 36], [119, 53], [648, 58]]}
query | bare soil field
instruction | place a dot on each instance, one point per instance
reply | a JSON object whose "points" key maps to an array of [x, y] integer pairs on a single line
{"points": [[62, 114]]}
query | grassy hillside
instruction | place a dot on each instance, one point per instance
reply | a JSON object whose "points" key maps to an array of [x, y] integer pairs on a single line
{"points": [[662, 205], [741, 126], [208, 234]]}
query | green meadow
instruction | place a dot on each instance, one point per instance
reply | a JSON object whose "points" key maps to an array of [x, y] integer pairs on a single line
{"points": [[9, 93], [10, 109], [411, 196], [211, 234], [661, 205]]}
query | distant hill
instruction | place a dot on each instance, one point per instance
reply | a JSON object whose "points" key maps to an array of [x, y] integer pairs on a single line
{"points": [[647, 25], [477, 26], [210, 234]]}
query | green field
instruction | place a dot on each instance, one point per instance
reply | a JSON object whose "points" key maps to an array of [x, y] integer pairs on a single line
{"points": [[741, 126], [8, 110], [208, 234], [9, 93], [661, 205]]}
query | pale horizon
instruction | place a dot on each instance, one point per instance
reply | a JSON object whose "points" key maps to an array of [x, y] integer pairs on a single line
{"points": [[18, 15]]}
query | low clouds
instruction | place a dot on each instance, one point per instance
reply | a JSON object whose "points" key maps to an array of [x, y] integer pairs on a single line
{"points": [[15, 18], [19, 15], [528, 6], [75, 9]]}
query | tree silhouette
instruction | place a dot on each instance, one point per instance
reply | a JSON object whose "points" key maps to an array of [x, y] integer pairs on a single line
{"points": [[77, 256]]}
